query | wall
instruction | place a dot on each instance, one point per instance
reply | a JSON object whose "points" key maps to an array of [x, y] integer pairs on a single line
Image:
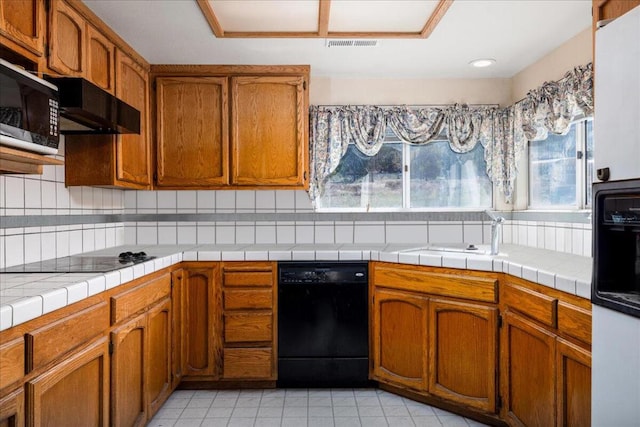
{"points": [[576, 51], [329, 91], [67, 221], [283, 217]]}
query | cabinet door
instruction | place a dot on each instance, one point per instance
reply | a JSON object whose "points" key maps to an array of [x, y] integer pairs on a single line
{"points": [[73, 393], [573, 387], [22, 22], [192, 122], [100, 60], [158, 356], [67, 39], [12, 409], [132, 158], [611, 9], [400, 338], [128, 405], [527, 373], [463, 341], [177, 321], [269, 131], [201, 334]]}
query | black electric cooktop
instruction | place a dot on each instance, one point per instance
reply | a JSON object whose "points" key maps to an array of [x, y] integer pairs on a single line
{"points": [[81, 264]]}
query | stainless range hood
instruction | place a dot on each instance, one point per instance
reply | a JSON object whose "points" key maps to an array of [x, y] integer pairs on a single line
{"points": [[87, 109]]}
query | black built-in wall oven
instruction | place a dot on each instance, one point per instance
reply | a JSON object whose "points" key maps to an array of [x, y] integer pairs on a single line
{"points": [[323, 328], [616, 247]]}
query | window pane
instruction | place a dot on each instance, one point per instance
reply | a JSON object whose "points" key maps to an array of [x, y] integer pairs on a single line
{"points": [[441, 178], [361, 181], [589, 162], [552, 170]]}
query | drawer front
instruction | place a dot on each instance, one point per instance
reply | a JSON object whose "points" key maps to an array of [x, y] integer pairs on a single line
{"points": [[139, 298], [55, 339], [574, 321], [411, 278], [248, 278], [248, 327], [11, 362], [535, 305], [235, 299], [248, 363]]}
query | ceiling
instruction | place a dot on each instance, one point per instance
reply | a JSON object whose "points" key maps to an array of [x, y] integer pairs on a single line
{"points": [[516, 33], [324, 18]]}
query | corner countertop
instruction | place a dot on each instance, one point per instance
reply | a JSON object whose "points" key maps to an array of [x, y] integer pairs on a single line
{"points": [[25, 296]]}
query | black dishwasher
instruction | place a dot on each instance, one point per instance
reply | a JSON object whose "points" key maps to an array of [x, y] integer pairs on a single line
{"points": [[323, 324]]}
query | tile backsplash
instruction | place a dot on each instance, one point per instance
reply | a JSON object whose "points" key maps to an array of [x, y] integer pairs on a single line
{"points": [[45, 199], [60, 221]]}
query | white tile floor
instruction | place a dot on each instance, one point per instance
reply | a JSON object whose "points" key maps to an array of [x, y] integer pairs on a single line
{"points": [[300, 408]]}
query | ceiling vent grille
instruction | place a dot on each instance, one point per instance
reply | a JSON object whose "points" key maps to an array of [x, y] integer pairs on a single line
{"points": [[352, 43]]}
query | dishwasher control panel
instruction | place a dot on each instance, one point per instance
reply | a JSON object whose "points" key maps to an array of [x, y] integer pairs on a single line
{"points": [[322, 272]]}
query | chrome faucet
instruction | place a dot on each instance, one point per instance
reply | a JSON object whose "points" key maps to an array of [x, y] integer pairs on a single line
{"points": [[496, 232]]}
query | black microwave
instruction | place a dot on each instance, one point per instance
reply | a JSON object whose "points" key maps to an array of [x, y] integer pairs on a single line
{"points": [[29, 113], [616, 246]]}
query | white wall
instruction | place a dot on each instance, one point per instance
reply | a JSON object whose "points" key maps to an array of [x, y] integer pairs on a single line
{"points": [[330, 91], [576, 51]]}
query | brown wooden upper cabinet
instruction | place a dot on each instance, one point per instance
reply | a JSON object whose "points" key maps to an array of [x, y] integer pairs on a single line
{"points": [[67, 40], [611, 9], [133, 150], [101, 52], [22, 26], [231, 126], [268, 131], [192, 123]]}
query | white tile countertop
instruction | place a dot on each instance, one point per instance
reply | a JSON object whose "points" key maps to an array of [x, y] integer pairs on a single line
{"points": [[25, 296]]}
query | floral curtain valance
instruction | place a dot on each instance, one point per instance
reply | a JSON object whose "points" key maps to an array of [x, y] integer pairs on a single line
{"points": [[502, 132]]}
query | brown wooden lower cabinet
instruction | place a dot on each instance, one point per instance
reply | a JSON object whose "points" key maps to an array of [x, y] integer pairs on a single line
{"points": [[177, 328], [399, 338], [528, 372], [201, 322], [158, 355], [573, 388], [128, 405], [463, 342], [12, 409], [249, 322], [141, 365], [73, 393]]}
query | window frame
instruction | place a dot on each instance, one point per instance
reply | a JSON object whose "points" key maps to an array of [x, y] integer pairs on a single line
{"points": [[581, 160], [406, 185]]}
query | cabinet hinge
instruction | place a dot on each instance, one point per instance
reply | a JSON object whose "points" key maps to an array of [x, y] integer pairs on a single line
{"points": [[499, 321], [155, 177], [110, 347], [304, 176], [499, 403], [304, 85]]}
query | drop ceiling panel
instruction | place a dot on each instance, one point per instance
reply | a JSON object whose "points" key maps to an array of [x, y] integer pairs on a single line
{"points": [[380, 15], [266, 15]]}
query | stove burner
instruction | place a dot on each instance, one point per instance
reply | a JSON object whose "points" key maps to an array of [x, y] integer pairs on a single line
{"points": [[135, 257]]}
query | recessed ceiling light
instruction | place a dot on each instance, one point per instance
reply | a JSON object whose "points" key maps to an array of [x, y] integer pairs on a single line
{"points": [[482, 63]]}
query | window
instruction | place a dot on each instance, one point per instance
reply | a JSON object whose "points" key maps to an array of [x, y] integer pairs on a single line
{"points": [[405, 176], [561, 169]]}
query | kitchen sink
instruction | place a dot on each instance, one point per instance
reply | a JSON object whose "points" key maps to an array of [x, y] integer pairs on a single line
{"points": [[469, 248]]}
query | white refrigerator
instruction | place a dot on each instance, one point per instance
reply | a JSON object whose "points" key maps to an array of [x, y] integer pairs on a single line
{"points": [[616, 336]]}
